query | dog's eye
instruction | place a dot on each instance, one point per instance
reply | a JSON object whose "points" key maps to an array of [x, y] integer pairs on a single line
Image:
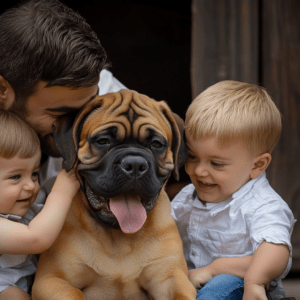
{"points": [[156, 144], [103, 141]]}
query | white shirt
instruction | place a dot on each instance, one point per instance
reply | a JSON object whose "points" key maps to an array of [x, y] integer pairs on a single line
{"points": [[233, 227]]}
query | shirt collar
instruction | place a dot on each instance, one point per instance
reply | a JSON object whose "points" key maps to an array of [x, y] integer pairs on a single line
{"points": [[209, 206], [249, 186], [234, 201]]}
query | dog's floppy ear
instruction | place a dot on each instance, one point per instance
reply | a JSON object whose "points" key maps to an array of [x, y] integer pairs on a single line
{"points": [[64, 140], [67, 129], [179, 148]]}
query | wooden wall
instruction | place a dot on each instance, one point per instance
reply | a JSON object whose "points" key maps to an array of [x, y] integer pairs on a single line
{"points": [[256, 41]]}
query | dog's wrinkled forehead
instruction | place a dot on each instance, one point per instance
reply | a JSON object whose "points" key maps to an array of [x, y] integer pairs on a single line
{"points": [[127, 112]]}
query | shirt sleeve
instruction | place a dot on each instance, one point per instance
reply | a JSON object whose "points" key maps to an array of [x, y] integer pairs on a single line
{"points": [[272, 222]]}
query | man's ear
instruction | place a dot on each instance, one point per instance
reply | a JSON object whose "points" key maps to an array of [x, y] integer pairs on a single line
{"points": [[7, 94], [260, 164]]}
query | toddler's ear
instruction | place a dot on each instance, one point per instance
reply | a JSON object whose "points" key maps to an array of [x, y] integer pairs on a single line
{"points": [[260, 164]]}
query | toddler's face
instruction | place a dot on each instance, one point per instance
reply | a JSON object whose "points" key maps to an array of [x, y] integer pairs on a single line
{"points": [[19, 184], [218, 171]]}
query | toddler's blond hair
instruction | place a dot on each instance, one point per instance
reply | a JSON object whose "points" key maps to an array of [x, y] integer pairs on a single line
{"points": [[16, 137], [233, 110]]}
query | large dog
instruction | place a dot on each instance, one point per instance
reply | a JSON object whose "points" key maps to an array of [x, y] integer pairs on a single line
{"points": [[119, 240]]}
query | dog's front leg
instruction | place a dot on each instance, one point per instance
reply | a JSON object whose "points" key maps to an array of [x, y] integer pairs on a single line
{"points": [[55, 288], [169, 285]]}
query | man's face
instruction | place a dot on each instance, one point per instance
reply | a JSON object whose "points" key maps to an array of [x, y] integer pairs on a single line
{"points": [[47, 104]]}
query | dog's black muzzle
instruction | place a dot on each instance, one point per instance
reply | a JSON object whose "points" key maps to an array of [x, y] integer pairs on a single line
{"points": [[121, 170]]}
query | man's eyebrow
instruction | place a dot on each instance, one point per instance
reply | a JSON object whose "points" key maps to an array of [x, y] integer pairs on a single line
{"points": [[63, 109], [68, 109]]}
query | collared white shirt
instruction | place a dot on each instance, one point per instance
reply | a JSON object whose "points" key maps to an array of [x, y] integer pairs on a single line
{"points": [[233, 227]]}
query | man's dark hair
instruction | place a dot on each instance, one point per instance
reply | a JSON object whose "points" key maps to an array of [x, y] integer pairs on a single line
{"points": [[46, 40]]}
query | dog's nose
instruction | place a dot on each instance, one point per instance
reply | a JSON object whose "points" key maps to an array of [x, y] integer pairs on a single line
{"points": [[134, 166]]}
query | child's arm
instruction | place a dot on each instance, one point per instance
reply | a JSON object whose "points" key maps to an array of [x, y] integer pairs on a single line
{"points": [[236, 266], [269, 262], [40, 234]]}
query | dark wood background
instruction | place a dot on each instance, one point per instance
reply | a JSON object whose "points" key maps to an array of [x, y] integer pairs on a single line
{"points": [[174, 50], [148, 43]]}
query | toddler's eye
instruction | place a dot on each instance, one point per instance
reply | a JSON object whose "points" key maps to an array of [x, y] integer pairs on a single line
{"points": [[15, 177], [191, 156], [216, 164], [35, 174]]}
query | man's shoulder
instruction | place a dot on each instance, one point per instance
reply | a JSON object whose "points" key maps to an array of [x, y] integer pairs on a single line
{"points": [[108, 83]]}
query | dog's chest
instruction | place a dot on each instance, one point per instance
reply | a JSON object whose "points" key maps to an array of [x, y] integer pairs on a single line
{"points": [[129, 291], [116, 269]]}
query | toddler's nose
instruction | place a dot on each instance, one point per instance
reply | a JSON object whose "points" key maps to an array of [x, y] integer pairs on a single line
{"points": [[201, 170], [29, 185]]}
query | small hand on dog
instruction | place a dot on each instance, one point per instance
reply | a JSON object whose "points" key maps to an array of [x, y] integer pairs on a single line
{"points": [[66, 183]]}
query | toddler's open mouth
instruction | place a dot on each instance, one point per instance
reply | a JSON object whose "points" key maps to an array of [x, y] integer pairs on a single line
{"points": [[205, 185], [23, 200]]}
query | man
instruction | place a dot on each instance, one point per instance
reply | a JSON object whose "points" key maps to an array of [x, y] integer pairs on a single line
{"points": [[50, 64]]}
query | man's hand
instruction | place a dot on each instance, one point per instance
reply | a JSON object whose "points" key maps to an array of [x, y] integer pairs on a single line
{"points": [[198, 277], [254, 292]]}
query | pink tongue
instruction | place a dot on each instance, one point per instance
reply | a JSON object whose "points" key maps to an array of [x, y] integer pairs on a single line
{"points": [[129, 212]]}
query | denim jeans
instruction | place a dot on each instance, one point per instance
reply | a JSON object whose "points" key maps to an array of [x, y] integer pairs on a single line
{"points": [[222, 287]]}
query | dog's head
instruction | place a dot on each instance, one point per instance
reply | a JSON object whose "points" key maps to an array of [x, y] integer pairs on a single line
{"points": [[124, 146]]}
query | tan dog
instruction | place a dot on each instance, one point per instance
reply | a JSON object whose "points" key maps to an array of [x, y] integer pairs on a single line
{"points": [[119, 240]]}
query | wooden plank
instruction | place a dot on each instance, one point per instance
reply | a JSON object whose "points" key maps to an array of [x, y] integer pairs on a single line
{"points": [[280, 73], [225, 41]]}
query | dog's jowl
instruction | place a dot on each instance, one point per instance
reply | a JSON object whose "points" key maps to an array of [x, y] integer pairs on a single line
{"points": [[120, 240]]}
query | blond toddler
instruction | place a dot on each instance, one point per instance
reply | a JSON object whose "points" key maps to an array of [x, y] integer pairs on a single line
{"points": [[23, 232], [235, 228]]}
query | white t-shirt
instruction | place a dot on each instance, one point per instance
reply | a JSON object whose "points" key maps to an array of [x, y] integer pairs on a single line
{"points": [[234, 227]]}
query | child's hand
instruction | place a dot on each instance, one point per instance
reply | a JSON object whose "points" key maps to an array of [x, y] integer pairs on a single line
{"points": [[66, 183], [254, 292], [198, 277]]}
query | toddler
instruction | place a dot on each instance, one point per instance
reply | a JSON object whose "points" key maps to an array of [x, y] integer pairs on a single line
{"points": [[235, 228], [22, 233]]}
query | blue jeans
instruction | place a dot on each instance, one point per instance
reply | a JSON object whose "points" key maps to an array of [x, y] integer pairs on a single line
{"points": [[222, 287]]}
